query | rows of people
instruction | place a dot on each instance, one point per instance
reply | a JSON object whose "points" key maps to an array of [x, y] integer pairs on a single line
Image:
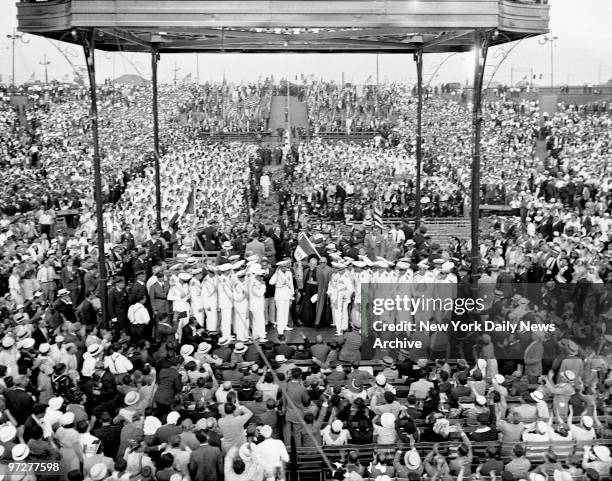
{"points": [[106, 395], [226, 108]]}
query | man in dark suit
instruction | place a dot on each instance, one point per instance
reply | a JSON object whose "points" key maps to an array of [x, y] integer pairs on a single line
{"points": [[86, 312], [158, 293], [323, 276], [128, 239], [320, 350], [157, 248], [223, 352], [71, 280], [118, 304], [19, 403], [210, 237], [40, 333], [139, 289], [109, 434], [283, 348], [64, 306], [206, 462], [143, 263], [169, 385]]}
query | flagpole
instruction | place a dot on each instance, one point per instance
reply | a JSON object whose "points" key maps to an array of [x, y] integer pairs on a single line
{"points": [[288, 114], [198, 68]]}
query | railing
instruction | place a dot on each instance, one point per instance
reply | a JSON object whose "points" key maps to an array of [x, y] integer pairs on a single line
{"points": [[308, 465]]}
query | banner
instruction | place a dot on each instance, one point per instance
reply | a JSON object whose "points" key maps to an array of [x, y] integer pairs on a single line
{"points": [[304, 248], [190, 209]]}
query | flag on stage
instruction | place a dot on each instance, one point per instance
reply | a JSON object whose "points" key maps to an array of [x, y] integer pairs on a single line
{"points": [[377, 215], [190, 209], [304, 248]]}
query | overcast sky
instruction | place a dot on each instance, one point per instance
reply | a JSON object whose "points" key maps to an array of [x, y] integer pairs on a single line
{"points": [[582, 54]]}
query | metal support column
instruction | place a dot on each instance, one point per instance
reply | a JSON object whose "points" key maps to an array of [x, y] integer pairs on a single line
{"points": [[418, 58], [481, 41], [154, 60], [88, 49]]}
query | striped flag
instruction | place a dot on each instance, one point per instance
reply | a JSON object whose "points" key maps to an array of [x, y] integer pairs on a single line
{"points": [[190, 209], [304, 248], [377, 214]]}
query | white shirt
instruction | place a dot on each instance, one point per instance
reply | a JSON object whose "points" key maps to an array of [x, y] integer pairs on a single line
{"points": [[271, 453], [138, 314], [89, 365], [117, 363], [179, 295], [284, 285]]}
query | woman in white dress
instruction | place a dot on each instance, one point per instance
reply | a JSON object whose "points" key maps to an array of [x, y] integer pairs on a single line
{"points": [[15, 287]]}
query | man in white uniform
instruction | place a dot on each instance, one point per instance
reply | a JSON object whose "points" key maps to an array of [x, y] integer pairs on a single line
{"points": [[195, 294], [226, 300], [283, 294], [340, 290], [241, 307], [264, 182], [179, 296], [257, 292], [209, 298]]}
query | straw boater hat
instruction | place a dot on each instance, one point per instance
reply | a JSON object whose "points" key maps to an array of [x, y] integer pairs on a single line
{"points": [[131, 398]]}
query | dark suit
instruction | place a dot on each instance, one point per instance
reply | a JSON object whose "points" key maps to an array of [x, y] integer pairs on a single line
{"points": [[320, 351], [351, 348], [86, 313], [40, 336], [71, 281], [224, 353], [156, 250], [118, 304], [285, 350], [206, 464], [137, 292], [323, 275], [169, 385], [67, 310], [19, 403]]}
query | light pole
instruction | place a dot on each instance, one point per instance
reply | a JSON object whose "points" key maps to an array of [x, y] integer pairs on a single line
{"points": [[551, 40], [44, 63], [175, 70], [14, 37]]}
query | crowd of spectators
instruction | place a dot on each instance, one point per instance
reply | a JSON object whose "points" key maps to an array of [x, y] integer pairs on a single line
{"points": [[200, 370], [346, 181], [221, 108], [352, 108]]}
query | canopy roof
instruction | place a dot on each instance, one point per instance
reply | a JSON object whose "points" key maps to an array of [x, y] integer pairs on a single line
{"points": [[253, 26]]}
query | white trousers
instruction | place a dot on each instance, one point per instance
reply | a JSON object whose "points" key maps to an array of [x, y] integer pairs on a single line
{"points": [[212, 319], [340, 317], [226, 323], [199, 315], [282, 315], [241, 322], [259, 324]]}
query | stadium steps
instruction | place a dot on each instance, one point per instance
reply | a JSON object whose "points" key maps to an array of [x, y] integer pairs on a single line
{"points": [[277, 113], [278, 106], [441, 230], [541, 152], [299, 113]]}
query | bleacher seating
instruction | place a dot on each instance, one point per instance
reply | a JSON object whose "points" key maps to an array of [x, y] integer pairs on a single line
{"points": [[308, 465]]}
